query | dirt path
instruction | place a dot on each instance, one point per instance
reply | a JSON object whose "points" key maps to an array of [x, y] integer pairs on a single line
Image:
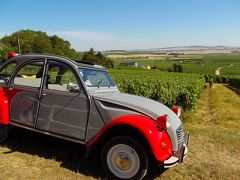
{"points": [[213, 149], [218, 70]]}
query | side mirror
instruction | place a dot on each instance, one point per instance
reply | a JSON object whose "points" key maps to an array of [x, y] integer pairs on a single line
{"points": [[6, 80], [73, 88]]}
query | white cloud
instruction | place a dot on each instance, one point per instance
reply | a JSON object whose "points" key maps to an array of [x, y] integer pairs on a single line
{"points": [[86, 35]]}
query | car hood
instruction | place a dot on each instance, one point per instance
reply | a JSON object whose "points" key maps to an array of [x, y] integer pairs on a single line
{"points": [[144, 106], [140, 104]]}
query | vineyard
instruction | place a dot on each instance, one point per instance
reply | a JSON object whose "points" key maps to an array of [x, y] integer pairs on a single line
{"points": [[175, 88], [233, 80], [168, 88], [192, 63]]}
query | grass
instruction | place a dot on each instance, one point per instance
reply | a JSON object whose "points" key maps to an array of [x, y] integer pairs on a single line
{"points": [[213, 149]]}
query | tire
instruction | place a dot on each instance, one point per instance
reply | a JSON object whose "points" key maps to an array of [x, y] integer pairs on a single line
{"points": [[3, 133], [124, 158]]}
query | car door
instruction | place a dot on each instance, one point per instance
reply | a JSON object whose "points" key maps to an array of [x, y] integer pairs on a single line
{"points": [[24, 92], [64, 105]]}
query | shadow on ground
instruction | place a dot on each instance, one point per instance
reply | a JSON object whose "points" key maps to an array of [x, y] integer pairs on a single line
{"points": [[235, 89], [70, 155]]}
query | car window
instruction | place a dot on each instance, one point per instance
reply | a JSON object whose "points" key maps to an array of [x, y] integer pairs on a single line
{"points": [[62, 78], [7, 71], [96, 78], [30, 75], [53, 74]]}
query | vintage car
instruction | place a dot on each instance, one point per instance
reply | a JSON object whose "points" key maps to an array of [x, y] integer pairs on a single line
{"points": [[79, 102]]}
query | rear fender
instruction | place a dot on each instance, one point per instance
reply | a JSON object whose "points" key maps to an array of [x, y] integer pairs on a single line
{"points": [[158, 141], [4, 108]]}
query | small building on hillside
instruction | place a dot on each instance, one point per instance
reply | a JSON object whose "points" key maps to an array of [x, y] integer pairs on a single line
{"points": [[145, 67], [217, 71]]}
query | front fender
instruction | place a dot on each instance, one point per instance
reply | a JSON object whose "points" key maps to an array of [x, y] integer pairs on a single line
{"points": [[158, 141]]}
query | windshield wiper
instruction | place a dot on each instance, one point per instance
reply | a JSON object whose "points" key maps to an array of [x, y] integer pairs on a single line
{"points": [[98, 85]]}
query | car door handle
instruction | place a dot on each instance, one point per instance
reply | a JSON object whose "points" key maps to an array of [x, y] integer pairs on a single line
{"points": [[44, 94]]}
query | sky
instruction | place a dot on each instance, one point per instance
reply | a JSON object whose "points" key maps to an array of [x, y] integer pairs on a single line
{"points": [[127, 24]]}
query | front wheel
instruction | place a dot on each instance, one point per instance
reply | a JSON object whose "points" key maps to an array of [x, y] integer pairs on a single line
{"points": [[124, 158], [3, 133]]}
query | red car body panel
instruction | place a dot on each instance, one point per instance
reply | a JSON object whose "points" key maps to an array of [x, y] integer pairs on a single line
{"points": [[4, 107], [159, 141], [5, 101]]}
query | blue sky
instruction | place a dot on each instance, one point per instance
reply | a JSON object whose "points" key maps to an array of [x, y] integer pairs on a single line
{"points": [[127, 24]]}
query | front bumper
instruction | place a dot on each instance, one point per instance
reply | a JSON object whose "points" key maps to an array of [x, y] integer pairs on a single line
{"points": [[179, 155]]}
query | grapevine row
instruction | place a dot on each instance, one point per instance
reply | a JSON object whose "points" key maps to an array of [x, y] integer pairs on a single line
{"points": [[168, 88]]}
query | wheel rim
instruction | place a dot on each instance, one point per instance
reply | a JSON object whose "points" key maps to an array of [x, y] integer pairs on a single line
{"points": [[123, 161]]}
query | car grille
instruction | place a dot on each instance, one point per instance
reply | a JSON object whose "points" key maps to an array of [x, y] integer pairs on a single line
{"points": [[180, 135]]}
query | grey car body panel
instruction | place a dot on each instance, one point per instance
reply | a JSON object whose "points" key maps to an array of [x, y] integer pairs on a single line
{"points": [[63, 113], [24, 106], [20, 118], [110, 111], [93, 90], [132, 104], [23, 58], [95, 123]]}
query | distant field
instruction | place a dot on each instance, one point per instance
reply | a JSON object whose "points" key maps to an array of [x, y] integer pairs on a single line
{"points": [[193, 63], [140, 55], [187, 52]]}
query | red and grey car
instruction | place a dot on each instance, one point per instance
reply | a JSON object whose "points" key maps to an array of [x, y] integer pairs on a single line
{"points": [[79, 102]]}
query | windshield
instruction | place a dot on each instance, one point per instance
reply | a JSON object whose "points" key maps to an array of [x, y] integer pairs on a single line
{"points": [[96, 78]]}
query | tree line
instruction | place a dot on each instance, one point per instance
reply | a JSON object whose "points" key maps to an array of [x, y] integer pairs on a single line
{"points": [[39, 42], [176, 68]]}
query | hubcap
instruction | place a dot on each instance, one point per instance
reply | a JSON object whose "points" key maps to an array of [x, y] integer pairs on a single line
{"points": [[123, 161]]}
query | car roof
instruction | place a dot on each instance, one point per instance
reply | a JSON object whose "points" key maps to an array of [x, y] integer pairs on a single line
{"points": [[26, 57]]}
